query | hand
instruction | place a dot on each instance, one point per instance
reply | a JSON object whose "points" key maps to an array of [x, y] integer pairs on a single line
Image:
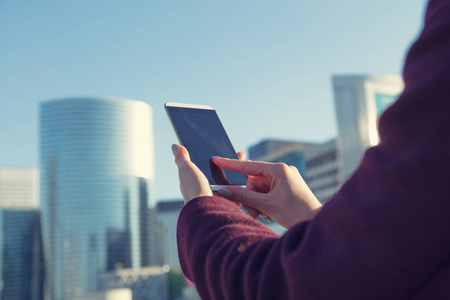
{"points": [[254, 213], [275, 189], [193, 183]]}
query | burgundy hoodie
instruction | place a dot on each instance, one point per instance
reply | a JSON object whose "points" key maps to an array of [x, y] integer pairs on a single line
{"points": [[386, 233]]}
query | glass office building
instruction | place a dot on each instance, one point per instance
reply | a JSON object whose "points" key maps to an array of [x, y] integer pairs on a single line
{"points": [[21, 257], [96, 162]]}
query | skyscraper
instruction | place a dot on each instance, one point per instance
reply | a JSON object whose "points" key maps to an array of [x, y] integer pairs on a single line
{"points": [[96, 159], [359, 102], [21, 255], [167, 213]]}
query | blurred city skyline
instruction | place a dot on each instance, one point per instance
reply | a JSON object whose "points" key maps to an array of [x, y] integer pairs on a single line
{"points": [[265, 66]]}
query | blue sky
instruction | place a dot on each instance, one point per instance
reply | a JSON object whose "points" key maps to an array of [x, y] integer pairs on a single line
{"points": [[264, 65]]}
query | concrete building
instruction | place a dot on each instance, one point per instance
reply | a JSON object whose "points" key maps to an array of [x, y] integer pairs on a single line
{"points": [[146, 283], [113, 294], [19, 187], [323, 169], [97, 172], [359, 101]]}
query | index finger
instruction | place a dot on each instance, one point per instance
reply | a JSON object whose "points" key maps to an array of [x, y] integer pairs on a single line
{"points": [[254, 168]]}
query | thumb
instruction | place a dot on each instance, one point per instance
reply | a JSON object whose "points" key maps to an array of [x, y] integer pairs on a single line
{"points": [[244, 196], [181, 155]]}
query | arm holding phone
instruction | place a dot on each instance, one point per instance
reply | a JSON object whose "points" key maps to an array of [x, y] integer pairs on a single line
{"points": [[384, 235], [276, 190]]}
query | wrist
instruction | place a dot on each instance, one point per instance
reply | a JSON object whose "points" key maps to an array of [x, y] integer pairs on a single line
{"points": [[203, 192], [301, 215]]}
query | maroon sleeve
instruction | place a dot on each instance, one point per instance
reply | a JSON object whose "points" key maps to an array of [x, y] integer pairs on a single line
{"points": [[385, 235]]}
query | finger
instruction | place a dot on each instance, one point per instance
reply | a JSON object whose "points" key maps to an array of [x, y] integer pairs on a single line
{"points": [[183, 162], [193, 183], [241, 155], [250, 198], [181, 155], [254, 213], [218, 174], [293, 168], [258, 184], [254, 168]]}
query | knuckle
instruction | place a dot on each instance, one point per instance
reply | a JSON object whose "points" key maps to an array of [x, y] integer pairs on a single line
{"points": [[182, 157], [293, 168], [282, 168], [244, 166], [179, 160], [182, 151], [238, 196]]}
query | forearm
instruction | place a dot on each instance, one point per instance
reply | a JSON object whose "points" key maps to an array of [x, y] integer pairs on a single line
{"points": [[209, 222], [217, 243]]}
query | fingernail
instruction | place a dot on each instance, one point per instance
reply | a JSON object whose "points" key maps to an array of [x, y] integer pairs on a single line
{"points": [[265, 217], [226, 193], [216, 157], [174, 149]]}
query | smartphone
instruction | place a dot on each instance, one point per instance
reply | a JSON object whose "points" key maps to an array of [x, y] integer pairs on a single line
{"points": [[199, 129]]}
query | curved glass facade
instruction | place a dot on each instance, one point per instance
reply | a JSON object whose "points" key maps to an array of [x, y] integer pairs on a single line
{"points": [[96, 162]]}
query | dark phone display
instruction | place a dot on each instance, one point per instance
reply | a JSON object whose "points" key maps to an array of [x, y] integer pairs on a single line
{"points": [[203, 135]]}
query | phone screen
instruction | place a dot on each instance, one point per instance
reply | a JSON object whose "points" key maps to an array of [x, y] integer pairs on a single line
{"points": [[203, 135]]}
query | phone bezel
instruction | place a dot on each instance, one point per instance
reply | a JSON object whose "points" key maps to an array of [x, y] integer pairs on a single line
{"points": [[168, 105]]}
